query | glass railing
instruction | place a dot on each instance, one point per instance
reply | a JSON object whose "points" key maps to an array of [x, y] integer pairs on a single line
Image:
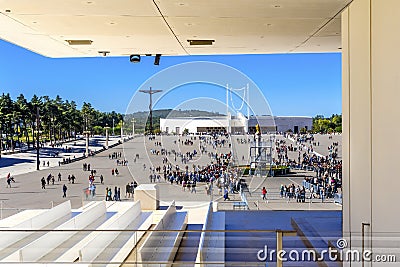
{"points": [[149, 247], [193, 247]]}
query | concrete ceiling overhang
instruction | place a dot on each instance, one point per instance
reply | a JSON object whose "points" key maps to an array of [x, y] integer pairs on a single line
{"points": [[124, 27]]}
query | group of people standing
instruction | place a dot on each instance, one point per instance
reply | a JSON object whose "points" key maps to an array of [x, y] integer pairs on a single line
{"points": [[130, 189], [116, 196], [293, 192]]}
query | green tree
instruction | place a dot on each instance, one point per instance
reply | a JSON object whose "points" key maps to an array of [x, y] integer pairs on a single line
{"points": [[327, 125], [59, 119]]}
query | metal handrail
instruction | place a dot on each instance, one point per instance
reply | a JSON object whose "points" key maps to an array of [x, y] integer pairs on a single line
{"points": [[144, 230], [363, 225]]}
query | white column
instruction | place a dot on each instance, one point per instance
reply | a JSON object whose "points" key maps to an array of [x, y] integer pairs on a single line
{"points": [[371, 94], [248, 100], [122, 132], [357, 103], [228, 130], [87, 144], [107, 137]]}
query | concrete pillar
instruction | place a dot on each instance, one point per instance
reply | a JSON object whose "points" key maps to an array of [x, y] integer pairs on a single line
{"points": [[107, 136], [87, 143], [371, 94], [279, 247], [149, 196], [122, 132]]}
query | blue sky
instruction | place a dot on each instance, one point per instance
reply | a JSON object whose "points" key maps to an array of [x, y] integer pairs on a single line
{"points": [[293, 84]]}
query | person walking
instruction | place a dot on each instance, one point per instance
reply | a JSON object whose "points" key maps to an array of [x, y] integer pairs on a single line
{"points": [[193, 187], [226, 194], [127, 190], [311, 193], [264, 193], [43, 183], [64, 189], [8, 182], [119, 194], [115, 194], [322, 193], [93, 190]]}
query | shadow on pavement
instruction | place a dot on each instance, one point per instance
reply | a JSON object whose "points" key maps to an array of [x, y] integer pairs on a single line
{"points": [[6, 162]]}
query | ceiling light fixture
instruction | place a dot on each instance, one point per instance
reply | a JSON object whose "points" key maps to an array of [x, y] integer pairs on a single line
{"points": [[201, 42], [79, 42]]}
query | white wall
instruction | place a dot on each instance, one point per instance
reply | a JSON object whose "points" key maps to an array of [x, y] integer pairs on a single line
{"points": [[285, 123], [191, 124], [371, 94]]}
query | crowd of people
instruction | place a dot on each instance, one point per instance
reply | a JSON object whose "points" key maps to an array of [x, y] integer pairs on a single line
{"points": [[215, 175], [327, 178], [180, 167], [293, 192]]}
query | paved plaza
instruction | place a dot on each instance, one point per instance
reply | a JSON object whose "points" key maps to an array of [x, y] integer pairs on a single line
{"points": [[24, 162], [26, 192]]}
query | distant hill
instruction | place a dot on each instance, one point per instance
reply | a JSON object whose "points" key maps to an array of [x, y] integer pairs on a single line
{"points": [[141, 116]]}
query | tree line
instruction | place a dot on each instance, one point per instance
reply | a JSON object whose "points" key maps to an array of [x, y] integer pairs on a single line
{"points": [[58, 119], [327, 125]]}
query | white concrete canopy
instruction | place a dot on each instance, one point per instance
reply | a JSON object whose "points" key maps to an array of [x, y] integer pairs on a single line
{"points": [[124, 27]]}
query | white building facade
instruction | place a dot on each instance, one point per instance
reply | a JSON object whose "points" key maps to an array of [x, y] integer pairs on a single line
{"points": [[235, 124]]}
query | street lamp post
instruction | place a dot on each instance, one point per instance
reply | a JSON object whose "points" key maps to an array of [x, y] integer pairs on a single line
{"points": [[86, 133], [122, 132], [37, 139], [133, 127], [107, 135], [113, 126]]}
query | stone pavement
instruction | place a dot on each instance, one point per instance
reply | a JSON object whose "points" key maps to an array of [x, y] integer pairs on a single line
{"points": [[26, 192]]}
